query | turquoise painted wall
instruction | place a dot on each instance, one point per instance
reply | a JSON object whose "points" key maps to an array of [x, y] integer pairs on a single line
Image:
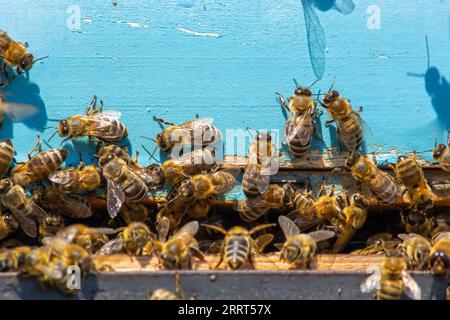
{"points": [[140, 58]]}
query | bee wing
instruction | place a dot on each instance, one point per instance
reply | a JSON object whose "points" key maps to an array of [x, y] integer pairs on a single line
{"points": [[18, 111], [27, 224], [190, 228], [100, 231], [110, 114], [289, 131], [288, 226], [441, 235], [344, 6], [163, 227], [210, 246], [371, 283], [37, 212], [60, 177], [304, 124], [115, 197], [111, 247], [67, 234], [412, 289], [367, 131], [316, 39], [403, 236], [203, 120], [321, 235], [261, 242]]}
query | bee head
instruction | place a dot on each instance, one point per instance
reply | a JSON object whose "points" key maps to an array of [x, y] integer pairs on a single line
{"points": [[330, 97], [400, 158], [359, 200], [351, 160], [5, 184], [105, 159], [169, 261], [63, 128], [440, 262], [202, 184], [11, 222], [290, 253], [303, 92], [161, 142], [437, 152], [139, 234], [26, 62]]}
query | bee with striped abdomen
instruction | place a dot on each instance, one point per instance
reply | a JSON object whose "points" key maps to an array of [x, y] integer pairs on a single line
{"points": [[6, 156], [380, 183], [441, 154], [77, 180], [238, 245], [392, 281], [300, 127], [349, 122], [122, 185], [24, 210], [102, 125], [300, 247]]}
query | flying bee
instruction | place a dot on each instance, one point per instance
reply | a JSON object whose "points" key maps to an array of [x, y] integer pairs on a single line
{"points": [[417, 221], [417, 250], [300, 247], [349, 122], [179, 200], [238, 245], [355, 215], [6, 156], [102, 125], [380, 183], [199, 132], [411, 175], [440, 253], [70, 205], [392, 281], [77, 180], [39, 166], [212, 184], [15, 54], [441, 154], [275, 197], [122, 184], [177, 252], [300, 127], [378, 243], [24, 210], [8, 225], [131, 240]]}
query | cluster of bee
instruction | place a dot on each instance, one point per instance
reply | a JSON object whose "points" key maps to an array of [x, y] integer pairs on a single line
{"points": [[39, 197]]}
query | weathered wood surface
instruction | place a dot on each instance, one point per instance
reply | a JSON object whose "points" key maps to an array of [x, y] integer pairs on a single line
{"points": [[341, 262]]}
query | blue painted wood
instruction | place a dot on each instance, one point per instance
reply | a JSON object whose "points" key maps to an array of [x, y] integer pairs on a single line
{"points": [[226, 59]]}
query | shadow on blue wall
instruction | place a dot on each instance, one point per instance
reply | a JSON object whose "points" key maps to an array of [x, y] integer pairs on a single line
{"points": [[21, 90], [343, 6]]}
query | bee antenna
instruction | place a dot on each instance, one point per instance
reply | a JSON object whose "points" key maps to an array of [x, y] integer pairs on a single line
{"points": [[296, 83], [314, 82], [148, 138], [50, 127], [428, 51], [39, 59], [250, 131], [332, 84], [51, 137]]}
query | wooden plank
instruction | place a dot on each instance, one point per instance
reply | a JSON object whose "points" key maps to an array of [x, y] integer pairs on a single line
{"points": [[341, 262]]}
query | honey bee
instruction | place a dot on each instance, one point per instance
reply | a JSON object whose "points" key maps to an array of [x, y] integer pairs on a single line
{"points": [[39, 166], [81, 179], [378, 243], [131, 240], [254, 182], [275, 197], [8, 225], [412, 176], [53, 222], [300, 247], [238, 245], [6, 156], [91, 239], [179, 200], [15, 54], [122, 184], [212, 184], [299, 128], [349, 122], [380, 183], [327, 206], [177, 252], [392, 281], [440, 253], [417, 250], [199, 132], [417, 221], [354, 214], [24, 210], [102, 125], [70, 205], [302, 202], [134, 212], [441, 154]]}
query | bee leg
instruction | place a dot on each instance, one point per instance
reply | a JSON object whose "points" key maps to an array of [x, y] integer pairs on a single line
{"points": [[220, 262], [328, 122], [81, 164], [37, 147], [66, 139], [283, 102]]}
